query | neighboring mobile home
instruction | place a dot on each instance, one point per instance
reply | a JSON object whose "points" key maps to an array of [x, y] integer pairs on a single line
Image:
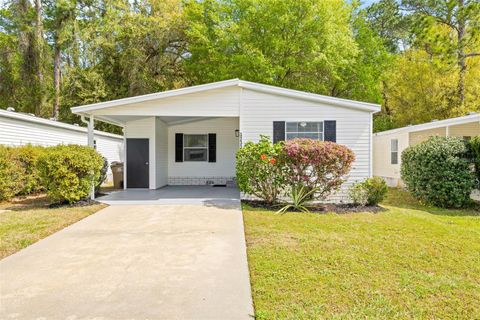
{"points": [[190, 136], [17, 129], [389, 145]]}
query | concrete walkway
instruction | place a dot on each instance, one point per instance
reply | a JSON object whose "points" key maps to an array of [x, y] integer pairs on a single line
{"points": [[134, 262]]}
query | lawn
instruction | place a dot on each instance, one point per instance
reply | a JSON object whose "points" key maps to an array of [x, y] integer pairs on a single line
{"points": [[26, 221], [408, 262]]}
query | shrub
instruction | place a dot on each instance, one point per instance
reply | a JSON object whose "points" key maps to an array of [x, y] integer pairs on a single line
{"points": [[439, 172], [67, 171], [371, 191], [11, 173], [27, 157], [259, 172], [475, 148], [358, 194], [316, 164]]}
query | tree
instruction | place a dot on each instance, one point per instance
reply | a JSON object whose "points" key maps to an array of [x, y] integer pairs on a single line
{"points": [[418, 82], [300, 44], [450, 29], [386, 18]]}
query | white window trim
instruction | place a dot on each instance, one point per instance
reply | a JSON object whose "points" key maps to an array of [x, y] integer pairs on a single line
{"points": [[201, 148], [393, 151], [297, 121]]}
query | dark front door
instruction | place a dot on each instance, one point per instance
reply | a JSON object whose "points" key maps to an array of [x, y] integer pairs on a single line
{"points": [[137, 163]]}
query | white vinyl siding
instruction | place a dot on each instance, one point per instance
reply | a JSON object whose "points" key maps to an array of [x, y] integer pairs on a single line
{"points": [[259, 110], [227, 146], [20, 129], [214, 103], [161, 153]]}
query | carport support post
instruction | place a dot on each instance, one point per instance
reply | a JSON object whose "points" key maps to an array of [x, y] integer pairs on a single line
{"points": [[91, 143]]}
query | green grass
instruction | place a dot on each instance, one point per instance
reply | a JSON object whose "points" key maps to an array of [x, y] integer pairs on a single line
{"points": [[24, 222], [408, 262]]}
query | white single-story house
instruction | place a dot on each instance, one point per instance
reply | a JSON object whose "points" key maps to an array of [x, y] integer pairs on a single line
{"points": [[190, 136], [18, 129], [389, 145]]}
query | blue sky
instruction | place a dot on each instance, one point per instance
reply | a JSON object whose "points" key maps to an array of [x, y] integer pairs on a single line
{"points": [[366, 3]]}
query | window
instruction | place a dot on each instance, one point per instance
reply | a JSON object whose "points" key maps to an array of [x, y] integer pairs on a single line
{"points": [[195, 147], [312, 130], [467, 138], [394, 151]]}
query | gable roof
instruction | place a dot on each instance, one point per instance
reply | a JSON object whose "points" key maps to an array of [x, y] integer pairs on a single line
{"points": [[433, 124], [372, 107]]}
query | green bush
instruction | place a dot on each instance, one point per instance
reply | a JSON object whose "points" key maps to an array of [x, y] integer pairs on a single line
{"points": [[259, 173], [439, 171], [371, 191], [27, 157], [67, 172], [11, 173], [475, 148]]}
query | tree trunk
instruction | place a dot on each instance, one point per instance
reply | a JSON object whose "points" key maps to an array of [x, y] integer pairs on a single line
{"points": [[56, 81], [461, 52], [39, 54]]}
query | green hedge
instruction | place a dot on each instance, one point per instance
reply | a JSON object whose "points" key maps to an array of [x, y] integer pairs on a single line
{"points": [[11, 173], [475, 148], [67, 172], [26, 157], [439, 171]]}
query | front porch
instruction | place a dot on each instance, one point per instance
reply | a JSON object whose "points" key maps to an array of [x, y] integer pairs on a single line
{"points": [[170, 195]]}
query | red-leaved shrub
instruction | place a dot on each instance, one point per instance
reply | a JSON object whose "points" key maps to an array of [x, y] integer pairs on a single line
{"points": [[320, 165]]}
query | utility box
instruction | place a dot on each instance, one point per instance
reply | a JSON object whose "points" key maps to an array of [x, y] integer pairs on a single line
{"points": [[117, 171]]}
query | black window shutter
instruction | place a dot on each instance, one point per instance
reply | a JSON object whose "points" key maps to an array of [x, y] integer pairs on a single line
{"points": [[330, 133], [212, 147], [178, 147], [278, 131]]}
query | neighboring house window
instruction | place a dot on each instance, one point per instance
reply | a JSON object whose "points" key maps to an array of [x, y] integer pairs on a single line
{"points": [[467, 138], [195, 147], [303, 129], [394, 152]]}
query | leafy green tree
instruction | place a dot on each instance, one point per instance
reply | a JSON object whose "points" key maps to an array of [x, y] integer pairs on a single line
{"points": [[449, 29], [301, 44]]}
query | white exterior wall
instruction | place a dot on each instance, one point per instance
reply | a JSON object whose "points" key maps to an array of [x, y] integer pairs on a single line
{"points": [[259, 110], [253, 113], [161, 153], [144, 128], [21, 130], [213, 103], [382, 166], [227, 145]]}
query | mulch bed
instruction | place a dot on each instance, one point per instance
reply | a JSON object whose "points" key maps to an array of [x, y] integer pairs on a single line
{"points": [[81, 203], [319, 207]]}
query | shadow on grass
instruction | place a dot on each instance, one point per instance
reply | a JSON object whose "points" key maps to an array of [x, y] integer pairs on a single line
{"points": [[400, 198], [23, 203]]}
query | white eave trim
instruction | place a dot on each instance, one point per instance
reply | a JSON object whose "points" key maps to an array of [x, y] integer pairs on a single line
{"points": [[51, 123], [433, 125], [371, 107]]}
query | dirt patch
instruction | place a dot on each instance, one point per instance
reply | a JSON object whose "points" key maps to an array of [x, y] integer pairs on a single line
{"points": [[318, 208]]}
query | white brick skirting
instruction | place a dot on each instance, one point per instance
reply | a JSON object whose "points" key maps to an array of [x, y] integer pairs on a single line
{"points": [[199, 181]]}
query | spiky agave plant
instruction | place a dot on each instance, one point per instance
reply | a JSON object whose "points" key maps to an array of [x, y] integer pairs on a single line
{"points": [[300, 196]]}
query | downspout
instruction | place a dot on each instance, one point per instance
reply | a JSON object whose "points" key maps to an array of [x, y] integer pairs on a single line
{"points": [[91, 143]]}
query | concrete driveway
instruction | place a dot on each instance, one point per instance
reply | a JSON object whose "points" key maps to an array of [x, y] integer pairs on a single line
{"points": [[134, 262]]}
